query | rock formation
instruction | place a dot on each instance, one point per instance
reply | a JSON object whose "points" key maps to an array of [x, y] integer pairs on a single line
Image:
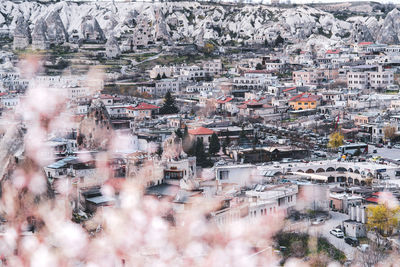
{"points": [[21, 34]]}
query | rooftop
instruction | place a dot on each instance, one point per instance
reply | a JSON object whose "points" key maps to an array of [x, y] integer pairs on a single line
{"points": [[201, 131]]}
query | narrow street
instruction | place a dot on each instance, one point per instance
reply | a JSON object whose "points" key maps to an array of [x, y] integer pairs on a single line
{"points": [[323, 230]]}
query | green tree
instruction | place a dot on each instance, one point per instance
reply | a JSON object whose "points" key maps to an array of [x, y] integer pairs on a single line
{"points": [[259, 66], [335, 140], [215, 146], [201, 156], [255, 141], [279, 40], [179, 133], [164, 76], [243, 137], [226, 143], [158, 77], [169, 106]]}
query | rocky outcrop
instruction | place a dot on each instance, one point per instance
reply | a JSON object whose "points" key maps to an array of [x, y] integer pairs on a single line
{"points": [[112, 48], [39, 38], [360, 33], [183, 21], [55, 30], [390, 31], [21, 34], [91, 30]]}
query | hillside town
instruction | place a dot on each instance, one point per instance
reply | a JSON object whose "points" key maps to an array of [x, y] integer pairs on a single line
{"points": [[279, 116]]}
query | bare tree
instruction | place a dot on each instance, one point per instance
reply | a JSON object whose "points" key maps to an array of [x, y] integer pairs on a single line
{"points": [[374, 254]]}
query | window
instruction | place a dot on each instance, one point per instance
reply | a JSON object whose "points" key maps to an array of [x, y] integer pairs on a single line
{"points": [[224, 175]]}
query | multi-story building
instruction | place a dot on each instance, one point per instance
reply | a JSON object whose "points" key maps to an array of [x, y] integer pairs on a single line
{"points": [[192, 73], [213, 67], [142, 111], [308, 77], [304, 101], [165, 85], [357, 80], [374, 79], [255, 80], [380, 78]]}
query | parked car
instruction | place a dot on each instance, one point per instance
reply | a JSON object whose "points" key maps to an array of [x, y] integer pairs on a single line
{"points": [[397, 146], [352, 241], [318, 221], [374, 151], [337, 232], [379, 145]]}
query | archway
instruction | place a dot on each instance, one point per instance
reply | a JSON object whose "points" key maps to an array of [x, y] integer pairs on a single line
{"points": [[310, 171], [331, 179], [356, 182], [320, 170], [330, 169], [341, 169]]}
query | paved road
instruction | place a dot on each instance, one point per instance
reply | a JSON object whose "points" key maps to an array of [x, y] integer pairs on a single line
{"points": [[147, 59], [330, 224], [384, 152]]}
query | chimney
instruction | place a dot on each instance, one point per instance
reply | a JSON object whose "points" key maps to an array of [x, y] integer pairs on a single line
{"points": [[353, 213], [363, 215]]}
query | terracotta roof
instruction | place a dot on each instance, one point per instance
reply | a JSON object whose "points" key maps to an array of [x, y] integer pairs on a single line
{"points": [[305, 97], [372, 199], [201, 131], [257, 71], [289, 89], [365, 43], [224, 100], [143, 106], [105, 96], [336, 51], [251, 102]]}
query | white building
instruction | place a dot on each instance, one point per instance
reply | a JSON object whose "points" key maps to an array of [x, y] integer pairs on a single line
{"points": [[213, 67], [165, 85], [161, 71], [370, 79], [357, 80], [253, 80], [192, 73]]}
